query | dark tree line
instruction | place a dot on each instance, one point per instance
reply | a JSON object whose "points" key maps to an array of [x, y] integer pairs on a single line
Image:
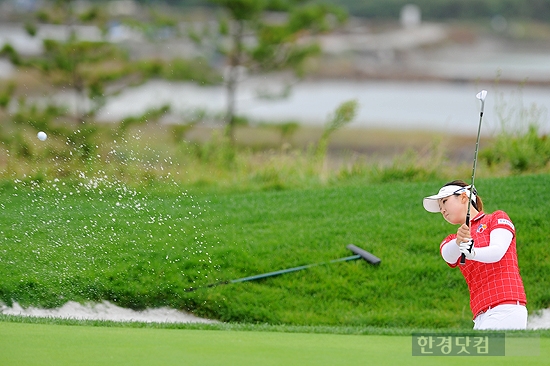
{"points": [[451, 9], [431, 9]]}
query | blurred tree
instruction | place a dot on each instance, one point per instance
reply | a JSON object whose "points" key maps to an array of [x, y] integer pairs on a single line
{"points": [[96, 69], [93, 69], [71, 62], [268, 35]]}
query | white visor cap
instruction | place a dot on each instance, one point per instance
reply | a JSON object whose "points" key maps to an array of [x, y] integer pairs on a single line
{"points": [[431, 203]]}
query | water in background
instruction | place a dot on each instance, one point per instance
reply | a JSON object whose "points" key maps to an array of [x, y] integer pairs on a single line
{"points": [[444, 107], [441, 107]]}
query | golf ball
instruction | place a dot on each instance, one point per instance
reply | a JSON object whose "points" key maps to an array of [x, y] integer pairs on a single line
{"points": [[42, 136]]}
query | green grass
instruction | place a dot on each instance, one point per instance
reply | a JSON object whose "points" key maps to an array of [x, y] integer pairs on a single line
{"points": [[47, 344], [143, 247]]}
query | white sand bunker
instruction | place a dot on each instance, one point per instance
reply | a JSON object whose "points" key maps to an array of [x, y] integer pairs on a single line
{"points": [[108, 311], [539, 320], [105, 311]]}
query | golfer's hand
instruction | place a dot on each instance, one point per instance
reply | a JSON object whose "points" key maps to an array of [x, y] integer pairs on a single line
{"points": [[463, 234], [467, 248]]}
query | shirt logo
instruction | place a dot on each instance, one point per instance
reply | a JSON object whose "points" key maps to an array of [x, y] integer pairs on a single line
{"points": [[506, 222], [481, 228]]}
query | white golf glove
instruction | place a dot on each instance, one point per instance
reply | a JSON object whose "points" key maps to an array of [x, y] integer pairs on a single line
{"points": [[467, 248]]}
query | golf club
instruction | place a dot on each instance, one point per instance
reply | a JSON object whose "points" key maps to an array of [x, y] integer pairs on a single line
{"points": [[481, 96], [359, 253]]}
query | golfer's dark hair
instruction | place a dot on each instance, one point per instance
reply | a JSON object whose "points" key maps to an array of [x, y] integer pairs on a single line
{"points": [[478, 204]]}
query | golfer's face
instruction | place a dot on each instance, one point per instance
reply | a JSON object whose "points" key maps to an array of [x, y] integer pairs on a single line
{"points": [[452, 209]]}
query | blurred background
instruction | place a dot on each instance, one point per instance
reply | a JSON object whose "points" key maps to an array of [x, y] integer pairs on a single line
{"points": [[412, 69]]}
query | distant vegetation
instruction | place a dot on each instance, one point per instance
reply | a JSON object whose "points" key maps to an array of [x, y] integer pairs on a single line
{"points": [[99, 70], [140, 149], [451, 9]]}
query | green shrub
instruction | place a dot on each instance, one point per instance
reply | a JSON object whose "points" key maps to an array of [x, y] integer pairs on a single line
{"points": [[6, 95], [196, 70], [11, 53], [520, 146]]}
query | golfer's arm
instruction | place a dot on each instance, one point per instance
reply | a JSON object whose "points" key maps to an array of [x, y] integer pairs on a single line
{"points": [[498, 245], [450, 252]]}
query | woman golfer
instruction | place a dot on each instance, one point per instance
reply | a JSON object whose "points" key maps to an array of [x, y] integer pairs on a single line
{"points": [[497, 296]]}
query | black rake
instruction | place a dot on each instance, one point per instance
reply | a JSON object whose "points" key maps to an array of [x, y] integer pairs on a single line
{"points": [[359, 254]]}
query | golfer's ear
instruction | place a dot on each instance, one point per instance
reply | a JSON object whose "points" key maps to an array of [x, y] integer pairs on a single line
{"points": [[464, 197]]}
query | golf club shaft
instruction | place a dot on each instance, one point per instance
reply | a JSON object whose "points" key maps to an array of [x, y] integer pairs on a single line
{"points": [[463, 256]]}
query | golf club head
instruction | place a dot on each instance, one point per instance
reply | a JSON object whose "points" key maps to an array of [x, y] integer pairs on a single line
{"points": [[482, 95]]}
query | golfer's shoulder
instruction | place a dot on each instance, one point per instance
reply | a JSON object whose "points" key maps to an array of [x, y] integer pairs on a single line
{"points": [[498, 214], [501, 218]]}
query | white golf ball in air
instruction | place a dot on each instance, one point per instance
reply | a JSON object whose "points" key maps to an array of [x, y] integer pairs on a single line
{"points": [[42, 136]]}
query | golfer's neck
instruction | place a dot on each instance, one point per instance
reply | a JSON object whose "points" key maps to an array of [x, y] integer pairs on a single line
{"points": [[473, 213]]}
